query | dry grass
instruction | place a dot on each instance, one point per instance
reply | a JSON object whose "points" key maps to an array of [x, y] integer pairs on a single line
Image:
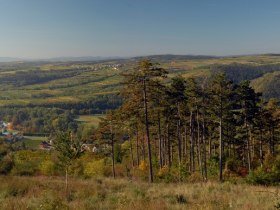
{"points": [[105, 193]]}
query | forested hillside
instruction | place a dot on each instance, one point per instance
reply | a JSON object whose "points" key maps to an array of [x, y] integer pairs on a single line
{"points": [[185, 128], [93, 87], [175, 122]]}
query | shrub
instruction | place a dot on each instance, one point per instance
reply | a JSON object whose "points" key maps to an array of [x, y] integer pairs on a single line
{"points": [[28, 168], [6, 164], [163, 172], [232, 165], [47, 167], [213, 166], [259, 177], [143, 166], [27, 162], [77, 168], [94, 168]]}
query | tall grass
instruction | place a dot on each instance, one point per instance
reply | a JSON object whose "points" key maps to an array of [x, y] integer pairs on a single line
{"points": [[48, 193]]}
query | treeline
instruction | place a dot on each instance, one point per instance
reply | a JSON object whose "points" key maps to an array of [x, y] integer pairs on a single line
{"points": [[213, 128], [49, 118], [21, 78], [39, 120], [97, 105], [237, 72]]}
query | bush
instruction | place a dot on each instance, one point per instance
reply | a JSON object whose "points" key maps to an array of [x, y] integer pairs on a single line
{"points": [[213, 166], [23, 169], [28, 162], [6, 164], [77, 168], [260, 177], [94, 168], [47, 167], [232, 165]]}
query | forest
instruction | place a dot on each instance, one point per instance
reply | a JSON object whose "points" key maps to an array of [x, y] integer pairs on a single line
{"points": [[195, 127], [157, 129]]}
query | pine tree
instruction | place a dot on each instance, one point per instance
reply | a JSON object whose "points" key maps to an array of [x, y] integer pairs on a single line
{"points": [[221, 90]]}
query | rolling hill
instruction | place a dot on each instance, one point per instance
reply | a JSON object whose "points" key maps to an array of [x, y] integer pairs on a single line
{"points": [[78, 83]]}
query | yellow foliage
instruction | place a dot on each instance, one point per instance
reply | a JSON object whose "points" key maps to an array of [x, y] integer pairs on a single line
{"points": [[94, 168], [143, 165], [47, 167], [163, 171]]}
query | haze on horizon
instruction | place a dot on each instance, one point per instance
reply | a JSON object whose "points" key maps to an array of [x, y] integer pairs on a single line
{"points": [[45, 29]]}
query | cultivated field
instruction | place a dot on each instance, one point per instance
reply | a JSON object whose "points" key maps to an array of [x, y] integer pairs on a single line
{"points": [[90, 119], [31, 142], [47, 84]]}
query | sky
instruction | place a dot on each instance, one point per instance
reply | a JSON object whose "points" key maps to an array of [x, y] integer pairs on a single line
{"points": [[63, 28]]}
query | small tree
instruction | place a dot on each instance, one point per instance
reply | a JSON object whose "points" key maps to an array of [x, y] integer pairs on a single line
{"points": [[69, 149]]}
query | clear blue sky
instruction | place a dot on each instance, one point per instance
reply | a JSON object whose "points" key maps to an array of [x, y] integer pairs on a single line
{"points": [[52, 28]]}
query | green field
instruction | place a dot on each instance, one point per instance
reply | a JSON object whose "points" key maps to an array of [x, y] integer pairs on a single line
{"points": [[90, 119], [31, 142]]}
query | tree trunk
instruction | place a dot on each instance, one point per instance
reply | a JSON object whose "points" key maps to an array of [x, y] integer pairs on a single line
{"points": [[131, 152], [198, 143], [66, 184], [261, 147], [248, 134], [159, 142], [143, 146], [192, 163], [113, 153], [168, 147], [221, 144], [137, 147], [204, 151], [273, 140], [151, 179], [179, 142], [210, 146], [185, 142]]}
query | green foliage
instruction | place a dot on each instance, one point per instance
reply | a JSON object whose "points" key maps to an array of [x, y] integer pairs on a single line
{"points": [[267, 174], [6, 164], [47, 168], [28, 162], [94, 168], [233, 165], [118, 153], [68, 148], [213, 166]]}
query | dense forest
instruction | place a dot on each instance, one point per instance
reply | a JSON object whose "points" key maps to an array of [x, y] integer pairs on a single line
{"points": [[212, 127]]}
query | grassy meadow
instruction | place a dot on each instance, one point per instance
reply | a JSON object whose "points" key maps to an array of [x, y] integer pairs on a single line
{"points": [[48, 193], [90, 119], [31, 142]]}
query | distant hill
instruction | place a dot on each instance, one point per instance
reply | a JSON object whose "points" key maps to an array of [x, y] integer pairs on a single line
{"points": [[169, 57], [268, 84], [80, 59], [89, 81], [9, 59]]}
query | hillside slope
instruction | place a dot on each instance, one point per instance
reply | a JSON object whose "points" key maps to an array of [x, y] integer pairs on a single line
{"points": [[59, 83], [268, 84]]}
